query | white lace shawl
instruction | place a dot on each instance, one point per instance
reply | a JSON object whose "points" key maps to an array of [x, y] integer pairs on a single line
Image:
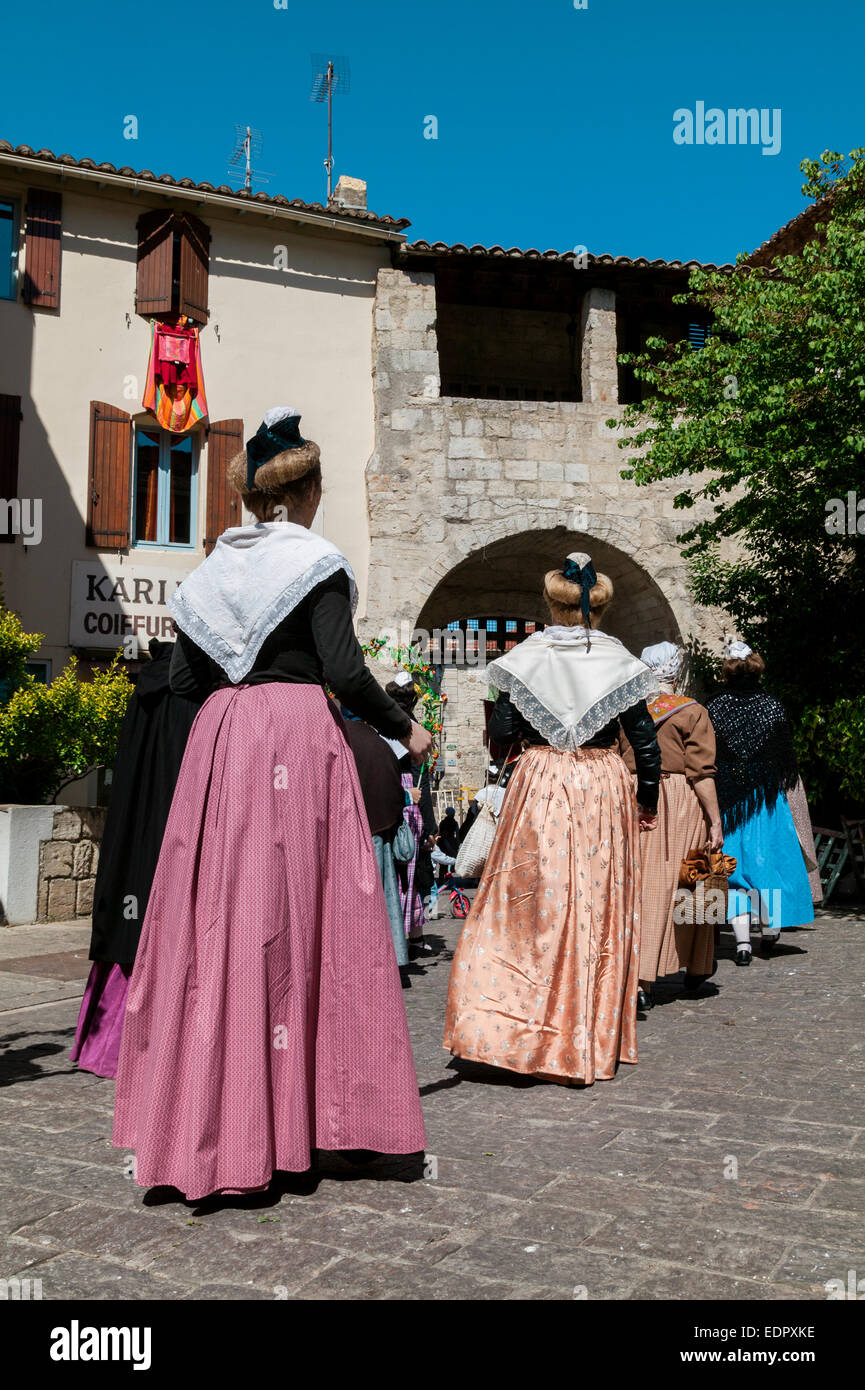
{"points": [[252, 579], [569, 689]]}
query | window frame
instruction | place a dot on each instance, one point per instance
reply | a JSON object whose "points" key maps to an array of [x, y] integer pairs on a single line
{"points": [[15, 249], [45, 664], [163, 488]]}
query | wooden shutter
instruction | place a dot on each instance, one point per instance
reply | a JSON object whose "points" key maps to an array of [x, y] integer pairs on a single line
{"points": [[224, 440], [10, 419], [194, 263], [108, 485], [155, 257], [42, 249]]}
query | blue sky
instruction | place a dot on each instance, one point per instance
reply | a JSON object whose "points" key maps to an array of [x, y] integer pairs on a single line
{"points": [[555, 125]]}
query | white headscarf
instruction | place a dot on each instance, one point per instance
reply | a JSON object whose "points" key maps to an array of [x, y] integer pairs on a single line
{"points": [[739, 650], [251, 580], [567, 687], [664, 659]]}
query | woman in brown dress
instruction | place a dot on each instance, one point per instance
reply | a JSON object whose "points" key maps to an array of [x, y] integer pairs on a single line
{"points": [[544, 978], [688, 818]]}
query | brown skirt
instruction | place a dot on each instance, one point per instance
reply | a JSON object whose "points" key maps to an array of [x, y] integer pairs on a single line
{"points": [[544, 979], [666, 945]]}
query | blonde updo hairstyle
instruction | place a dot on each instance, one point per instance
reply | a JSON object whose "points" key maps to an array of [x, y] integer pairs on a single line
{"points": [[563, 596], [286, 481]]}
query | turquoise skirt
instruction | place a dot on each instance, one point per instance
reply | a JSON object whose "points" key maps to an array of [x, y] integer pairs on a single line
{"points": [[770, 881], [384, 858]]}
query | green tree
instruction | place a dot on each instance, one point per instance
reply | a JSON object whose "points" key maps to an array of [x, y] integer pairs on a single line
{"points": [[765, 426]]}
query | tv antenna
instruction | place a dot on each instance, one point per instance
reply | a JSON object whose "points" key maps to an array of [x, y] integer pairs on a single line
{"points": [[329, 75], [247, 147]]}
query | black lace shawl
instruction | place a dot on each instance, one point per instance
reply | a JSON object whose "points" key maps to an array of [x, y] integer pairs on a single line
{"points": [[756, 761]]}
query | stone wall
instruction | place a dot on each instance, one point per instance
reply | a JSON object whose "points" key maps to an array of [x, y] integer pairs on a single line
{"points": [[471, 500], [68, 863]]}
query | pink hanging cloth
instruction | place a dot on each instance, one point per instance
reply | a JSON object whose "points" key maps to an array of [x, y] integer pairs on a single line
{"points": [[174, 389]]}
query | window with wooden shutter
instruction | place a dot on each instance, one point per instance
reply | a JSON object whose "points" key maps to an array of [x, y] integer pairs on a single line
{"points": [[194, 268], [153, 293], [109, 479], [41, 285], [10, 420], [173, 262], [224, 440]]}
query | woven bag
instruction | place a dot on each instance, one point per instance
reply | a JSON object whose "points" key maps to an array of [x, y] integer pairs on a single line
{"points": [[475, 848]]}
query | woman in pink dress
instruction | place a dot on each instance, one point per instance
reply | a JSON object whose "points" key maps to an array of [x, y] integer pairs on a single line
{"points": [[265, 1017]]}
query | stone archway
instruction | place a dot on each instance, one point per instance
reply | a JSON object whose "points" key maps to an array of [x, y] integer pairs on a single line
{"points": [[504, 577]]}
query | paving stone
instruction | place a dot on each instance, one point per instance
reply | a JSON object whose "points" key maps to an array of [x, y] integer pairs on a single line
{"points": [[832, 1110], [19, 1206], [228, 1292], [401, 1237], [74, 1277], [750, 1128], [364, 1279], [493, 1177], [218, 1256], [555, 1225], [841, 1194], [691, 1243], [90, 1230], [808, 1163], [705, 1178], [673, 1283], [562, 1267], [815, 1265], [616, 1196], [717, 1102]]}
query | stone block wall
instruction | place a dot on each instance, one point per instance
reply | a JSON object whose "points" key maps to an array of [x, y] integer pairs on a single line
{"points": [[68, 863], [470, 500]]}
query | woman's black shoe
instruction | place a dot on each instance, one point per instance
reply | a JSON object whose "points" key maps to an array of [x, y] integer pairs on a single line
{"points": [[743, 957], [644, 1001], [769, 943]]}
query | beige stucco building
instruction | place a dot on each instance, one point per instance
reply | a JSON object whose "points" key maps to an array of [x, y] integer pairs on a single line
{"points": [[286, 320]]}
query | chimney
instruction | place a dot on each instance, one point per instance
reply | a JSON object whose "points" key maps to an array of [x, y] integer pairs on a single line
{"points": [[349, 193]]}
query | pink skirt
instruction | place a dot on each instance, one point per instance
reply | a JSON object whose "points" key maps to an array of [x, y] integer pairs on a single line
{"points": [[265, 1016], [100, 1019]]}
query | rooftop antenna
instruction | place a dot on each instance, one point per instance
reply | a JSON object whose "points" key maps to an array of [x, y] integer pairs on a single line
{"points": [[247, 146], [329, 75]]}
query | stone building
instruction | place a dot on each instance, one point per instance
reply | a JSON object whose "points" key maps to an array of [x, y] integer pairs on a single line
{"points": [[495, 376]]}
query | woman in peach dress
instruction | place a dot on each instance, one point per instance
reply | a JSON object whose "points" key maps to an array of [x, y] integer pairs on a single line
{"points": [[545, 976]]}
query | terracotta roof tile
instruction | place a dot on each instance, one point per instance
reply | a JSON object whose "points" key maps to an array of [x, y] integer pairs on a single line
{"points": [[147, 176], [458, 249]]}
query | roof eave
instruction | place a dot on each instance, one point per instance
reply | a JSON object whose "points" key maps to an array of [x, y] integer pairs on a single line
{"points": [[369, 229]]}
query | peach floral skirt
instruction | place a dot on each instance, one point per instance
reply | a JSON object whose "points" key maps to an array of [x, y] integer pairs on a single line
{"points": [[544, 979]]}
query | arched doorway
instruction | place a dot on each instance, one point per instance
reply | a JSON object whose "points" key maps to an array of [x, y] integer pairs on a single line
{"points": [[507, 577], [504, 581]]}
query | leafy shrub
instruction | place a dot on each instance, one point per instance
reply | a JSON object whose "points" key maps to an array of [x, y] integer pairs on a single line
{"points": [[53, 734]]}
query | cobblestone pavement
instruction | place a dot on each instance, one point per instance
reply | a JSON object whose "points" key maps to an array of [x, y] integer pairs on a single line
{"points": [[727, 1164]]}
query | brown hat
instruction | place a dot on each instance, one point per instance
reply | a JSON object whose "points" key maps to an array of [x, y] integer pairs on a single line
{"points": [[276, 455]]}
